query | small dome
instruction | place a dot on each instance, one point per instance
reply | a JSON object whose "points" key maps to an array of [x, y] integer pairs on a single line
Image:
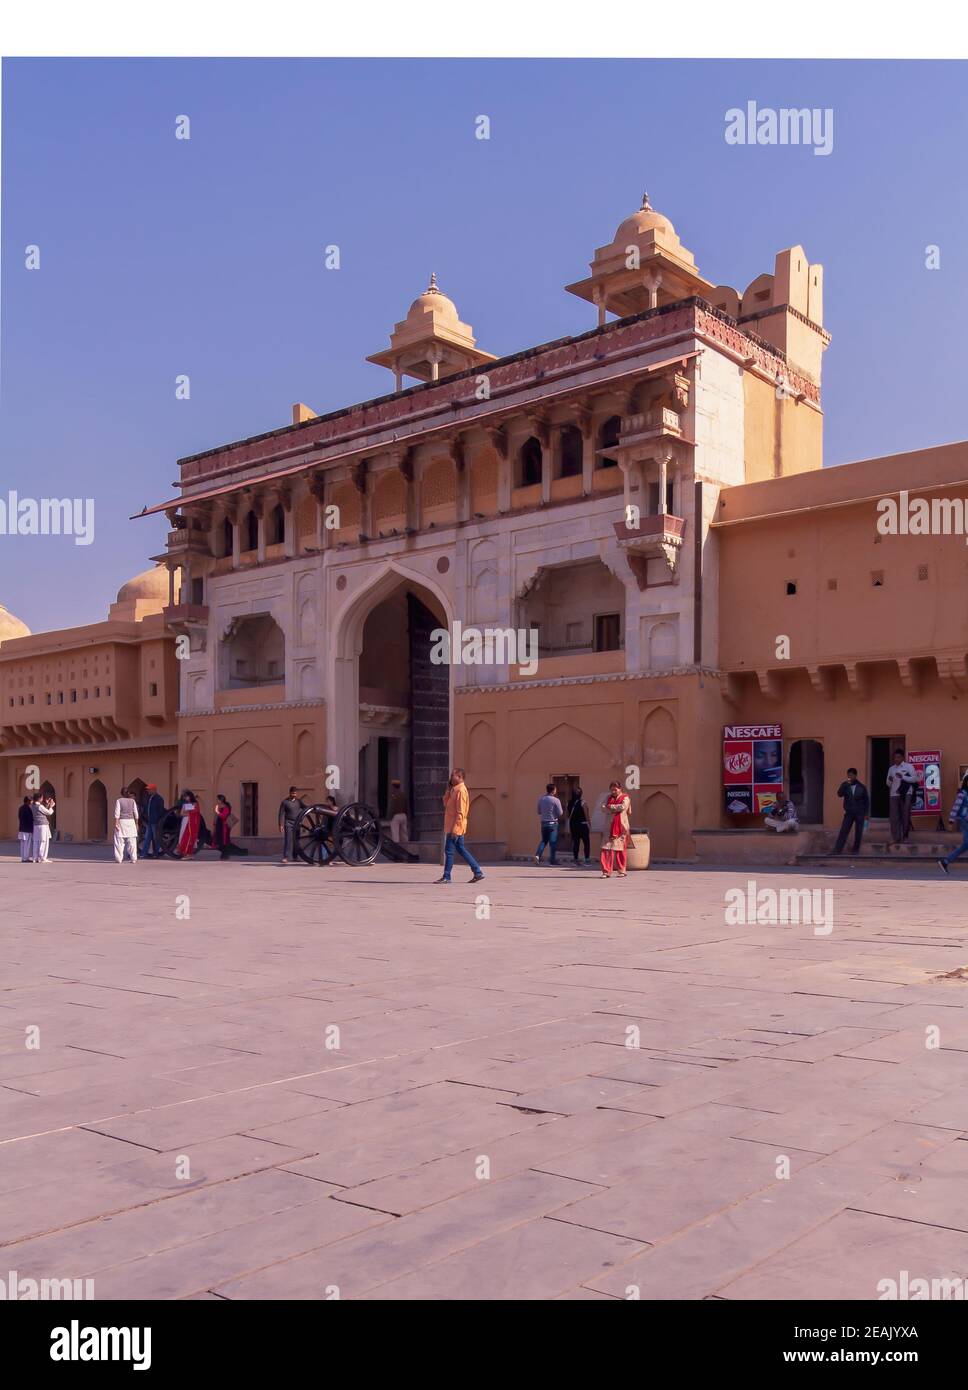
{"points": [[433, 299], [645, 220], [10, 626], [152, 584]]}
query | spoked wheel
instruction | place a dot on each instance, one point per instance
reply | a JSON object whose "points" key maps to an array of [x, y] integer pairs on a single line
{"points": [[169, 832], [356, 835], [313, 830]]}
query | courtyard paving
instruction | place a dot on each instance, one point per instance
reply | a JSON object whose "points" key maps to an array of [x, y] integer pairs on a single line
{"points": [[358, 1084]]}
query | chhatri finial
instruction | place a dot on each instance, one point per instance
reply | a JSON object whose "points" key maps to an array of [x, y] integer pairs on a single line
{"points": [[432, 287], [646, 205]]}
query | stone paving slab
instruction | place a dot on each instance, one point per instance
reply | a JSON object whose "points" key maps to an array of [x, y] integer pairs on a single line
{"points": [[353, 1082]]}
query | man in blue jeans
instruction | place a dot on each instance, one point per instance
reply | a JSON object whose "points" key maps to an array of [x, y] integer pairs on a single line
{"points": [[154, 814], [549, 813], [456, 810]]}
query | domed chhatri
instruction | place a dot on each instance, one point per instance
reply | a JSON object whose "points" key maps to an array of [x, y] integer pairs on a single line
{"points": [[645, 220], [11, 626], [145, 594], [644, 266], [431, 342], [433, 301]]}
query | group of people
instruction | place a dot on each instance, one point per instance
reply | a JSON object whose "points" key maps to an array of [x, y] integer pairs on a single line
{"points": [[902, 782], [615, 844], [33, 832], [193, 834], [551, 813]]}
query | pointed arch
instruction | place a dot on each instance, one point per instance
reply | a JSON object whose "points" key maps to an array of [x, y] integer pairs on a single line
{"points": [[481, 821], [661, 819], [481, 750], [660, 741], [568, 741]]}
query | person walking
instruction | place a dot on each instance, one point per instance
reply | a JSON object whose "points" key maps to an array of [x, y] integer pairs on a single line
{"points": [[126, 827], [579, 824], [289, 812], [154, 814], [191, 824], [782, 814], [456, 807], [959, 816], [222, 833], [42, 809], [25, 831], [550, 813], [901, 781], [616, 843], [399, 831], [857, 805]]}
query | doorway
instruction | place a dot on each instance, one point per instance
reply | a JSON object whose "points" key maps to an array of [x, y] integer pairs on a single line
{"points": [[404, 709], [879, 752], [97, 811], [566, 782], [806, 780]]}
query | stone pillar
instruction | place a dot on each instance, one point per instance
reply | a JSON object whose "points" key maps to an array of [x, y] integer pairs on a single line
{"points": [[588, 459], [499, 441], [550, 451], [461, 478], [289, 522], [362, 482], [317, 488], [233, 517]]}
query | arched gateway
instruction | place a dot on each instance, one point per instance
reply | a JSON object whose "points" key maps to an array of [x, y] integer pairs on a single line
{"points": [[391, 704]]}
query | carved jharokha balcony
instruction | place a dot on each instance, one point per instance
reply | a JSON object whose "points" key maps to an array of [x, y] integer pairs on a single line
{"points": [[185, 541], [655, 538], [188, 620]]}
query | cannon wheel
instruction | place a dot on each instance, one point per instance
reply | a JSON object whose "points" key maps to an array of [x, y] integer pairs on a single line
{"points": [[312, 834], [170, 832], [357, 837]]}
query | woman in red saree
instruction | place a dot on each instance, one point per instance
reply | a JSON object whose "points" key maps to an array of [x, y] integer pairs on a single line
{"points": [[191, 824], [222, 833], [616, 840]]}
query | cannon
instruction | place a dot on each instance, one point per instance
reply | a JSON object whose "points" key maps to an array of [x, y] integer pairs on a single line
{"points": [[352, 833]]}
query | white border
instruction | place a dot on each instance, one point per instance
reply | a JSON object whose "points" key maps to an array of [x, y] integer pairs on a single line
{"points": [[484, 28]]}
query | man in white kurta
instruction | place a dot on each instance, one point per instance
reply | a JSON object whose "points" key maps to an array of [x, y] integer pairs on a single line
{"points": [[126, 828], [42, 809]]}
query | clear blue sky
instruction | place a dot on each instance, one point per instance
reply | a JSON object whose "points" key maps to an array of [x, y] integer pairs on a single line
{"points": [[161, 257]]}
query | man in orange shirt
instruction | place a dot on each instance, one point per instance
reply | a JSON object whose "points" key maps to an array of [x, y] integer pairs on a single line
{"points": [[456, 806]]}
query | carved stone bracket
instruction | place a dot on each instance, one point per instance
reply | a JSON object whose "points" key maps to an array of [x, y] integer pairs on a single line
{"points": [[655, 537], [858, 680], [822, 681], [769, 684]]}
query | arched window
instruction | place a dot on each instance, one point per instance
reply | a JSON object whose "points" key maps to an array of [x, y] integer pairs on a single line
{"points": [[228, 539], [608, 438], [250, 532], [277, 526], [571, 452], [529, 472]]}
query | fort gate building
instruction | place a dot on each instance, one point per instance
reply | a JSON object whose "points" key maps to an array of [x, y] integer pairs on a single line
{"points": [[315, 562]]}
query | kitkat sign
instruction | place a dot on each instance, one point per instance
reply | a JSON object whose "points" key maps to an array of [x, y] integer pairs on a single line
{"points": [[752, 767]]}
